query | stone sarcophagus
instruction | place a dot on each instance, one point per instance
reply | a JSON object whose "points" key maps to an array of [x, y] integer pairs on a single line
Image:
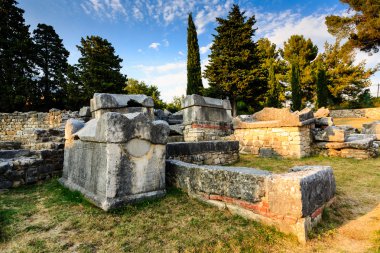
{"points": [[205, 118], [104, 102], [116, 158]]}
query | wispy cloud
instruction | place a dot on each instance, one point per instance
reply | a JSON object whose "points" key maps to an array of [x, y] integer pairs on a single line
{"points": [[165, 42], [154, 45], [109, 9], [163, 12]]}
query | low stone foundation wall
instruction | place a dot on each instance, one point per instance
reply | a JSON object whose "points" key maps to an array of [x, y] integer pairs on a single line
{"points": [[206, 131], [289, 142], [21, 126], [293, 202], [205, 152], [372, 113], [20, 167]]}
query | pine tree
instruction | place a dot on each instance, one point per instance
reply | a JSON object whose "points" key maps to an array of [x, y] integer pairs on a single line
{"points": [[322, 90], [362, 28], [296, 89], [233, 67], [16, 59], [194, 77], [52, 63], [99, 67]]}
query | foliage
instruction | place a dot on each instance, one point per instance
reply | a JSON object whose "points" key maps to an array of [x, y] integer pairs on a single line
{"points": [[272, 70], [175, 105], [51, 61], [296, 89], [346, 81], [18, 91], [194, 77], [99, 68], [233, 67], [362, 28], [301, 52], [139, 87], [322, 89]]}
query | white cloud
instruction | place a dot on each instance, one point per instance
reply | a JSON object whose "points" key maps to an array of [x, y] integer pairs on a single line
{"points": [[209, 13], [104, 8], [154, 45], [137, 14], [139, 50], [170, 78], [181, 53], [205, 49]]}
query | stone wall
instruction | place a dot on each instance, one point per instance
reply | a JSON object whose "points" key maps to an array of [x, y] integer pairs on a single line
{"points": [[19, 167], [372, 113], [21, 126], [206, 152], [293, 202], [290, 142]]}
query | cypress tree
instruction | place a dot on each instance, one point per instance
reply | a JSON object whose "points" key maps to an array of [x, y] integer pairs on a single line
{"points": [[296, 89], [52, 63], [194, 77], [16, 59], [322, 90]]}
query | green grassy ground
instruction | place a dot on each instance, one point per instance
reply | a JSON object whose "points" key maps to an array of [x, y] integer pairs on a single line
{"points": [[49, 218]]}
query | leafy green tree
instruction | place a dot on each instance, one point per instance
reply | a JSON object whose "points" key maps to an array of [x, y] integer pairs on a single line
{"points": [[51, 61], [362, 28], [99, 67], [233, 67], [18, 90], [322, 89], [296, 87], [299, 53], [73, 89], [139, 87], [345, 79], [194, 76], [272, 70], [175, 105]]}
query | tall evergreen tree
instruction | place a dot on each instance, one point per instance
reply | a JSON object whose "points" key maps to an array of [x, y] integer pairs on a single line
{"points": [[296, 89], [194, 76], [52, 63], [233, 67], [274, 89], [362, 28], [299, 53], [16, 59], [99, 67], [322, 90]]}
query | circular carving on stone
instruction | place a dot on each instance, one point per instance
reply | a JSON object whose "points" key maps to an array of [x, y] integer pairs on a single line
{"points": [[138, 148]]}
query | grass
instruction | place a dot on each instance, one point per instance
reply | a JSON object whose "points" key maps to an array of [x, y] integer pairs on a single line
{"points": [[50, 218]]}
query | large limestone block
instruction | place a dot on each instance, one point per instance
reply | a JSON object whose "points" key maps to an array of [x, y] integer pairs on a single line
{"points": [[331, 134], [116, 159], [372, 128], [104, 102], [197, 100], [284, 116], [322, 113]]}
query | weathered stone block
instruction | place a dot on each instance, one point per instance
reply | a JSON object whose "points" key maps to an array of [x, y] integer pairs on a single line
{"points": [[116, 159], [331, 133]]}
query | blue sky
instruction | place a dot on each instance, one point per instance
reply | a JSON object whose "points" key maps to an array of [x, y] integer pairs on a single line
{"points": [[150, 35]]}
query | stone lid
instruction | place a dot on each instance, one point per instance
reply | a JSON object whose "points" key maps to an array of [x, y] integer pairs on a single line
{"points": [[111, 101], [113, 127], [198, 100]]}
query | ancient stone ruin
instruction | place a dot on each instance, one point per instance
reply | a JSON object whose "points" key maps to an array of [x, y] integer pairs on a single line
{"points": [[206, 118], [293, 202], [115, 152], [116, 158]]}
